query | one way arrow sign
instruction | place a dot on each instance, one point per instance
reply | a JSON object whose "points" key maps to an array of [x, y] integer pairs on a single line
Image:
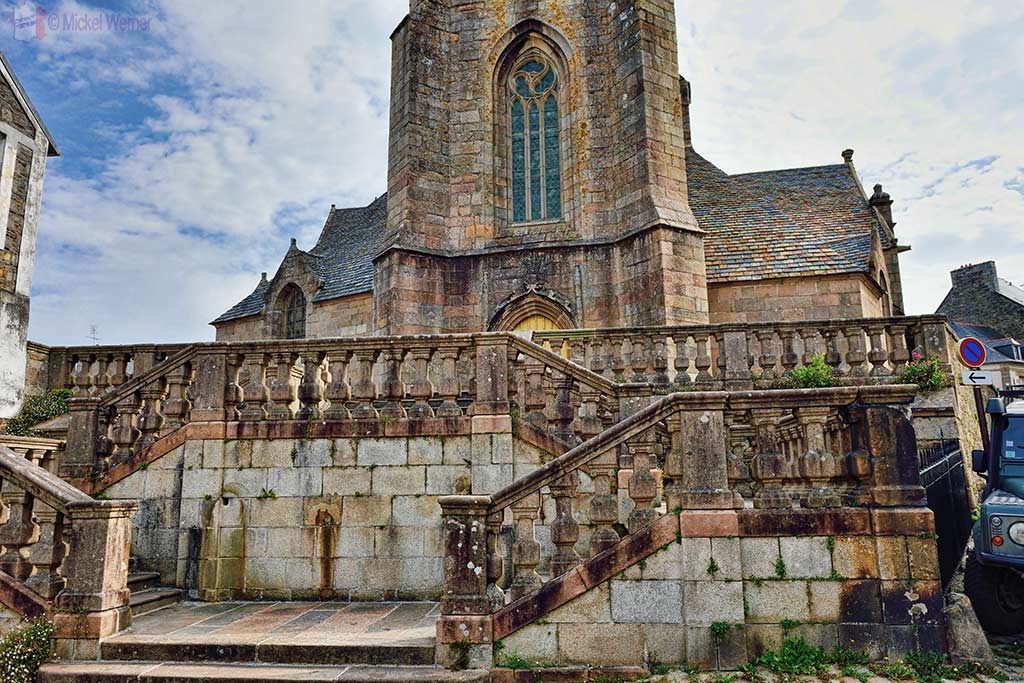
{"points": [[978, 378]]}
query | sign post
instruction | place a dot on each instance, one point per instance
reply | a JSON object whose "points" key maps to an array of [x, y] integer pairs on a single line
{"points": [[972, 354]]}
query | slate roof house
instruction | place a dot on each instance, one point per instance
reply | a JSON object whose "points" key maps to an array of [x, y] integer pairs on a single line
{"points": [[1004, 355], [481, 229], [980, 297]]}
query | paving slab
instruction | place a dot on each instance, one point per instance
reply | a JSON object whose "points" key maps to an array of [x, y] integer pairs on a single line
{"points": [[151, 672]]}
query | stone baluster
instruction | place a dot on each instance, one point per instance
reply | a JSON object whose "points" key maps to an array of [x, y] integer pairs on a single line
{"points": [[82, 382], [177, 405], [421, 389], [525, 549], [638, 359], [832, 355], [283, 393], [682, 361], [818, 467], [495, 596], [810, 343], [565, 411], [790, 356], [768, 359], [856, 357], [620, 349], [578, 351], [48, 554], [18, 533], [151, 417], [337, 390], [467, 372], [598, 361], [604, 508], [256, 392], [311, 388], [364, 390], [118, 369], [878, 355], [125, 431], [393, 388], [565, 530], [703, 357], [642, 486], [899, 354], [101, 381], [769, 466], [535, 397], [659, 363], [587, 423], [448, 383]]}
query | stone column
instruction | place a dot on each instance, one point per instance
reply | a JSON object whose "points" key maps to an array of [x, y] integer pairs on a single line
{"points": [[94, 602], [209, 386], [698, 463], [465, 621], [887, 434], [83, 431], [491, 376]]}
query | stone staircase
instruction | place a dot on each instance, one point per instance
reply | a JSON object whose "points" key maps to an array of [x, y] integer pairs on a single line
{"points": [[254, 641], [148, 595]]}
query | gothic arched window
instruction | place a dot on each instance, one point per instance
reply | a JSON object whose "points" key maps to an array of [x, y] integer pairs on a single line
{"points": [[292, 311], [534, 124]]}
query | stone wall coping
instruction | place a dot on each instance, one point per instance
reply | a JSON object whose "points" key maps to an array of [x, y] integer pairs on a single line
{"points": [[47, 487], [31, 442]]}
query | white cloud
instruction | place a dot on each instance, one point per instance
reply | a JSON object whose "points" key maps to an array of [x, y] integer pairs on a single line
{"points": [[263, 114]]}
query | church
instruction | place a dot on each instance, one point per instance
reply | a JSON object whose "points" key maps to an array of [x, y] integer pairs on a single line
{"points": [[541, 175]]}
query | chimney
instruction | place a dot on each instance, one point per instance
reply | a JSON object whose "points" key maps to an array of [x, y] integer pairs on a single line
{"points": [[883, 202], [982, 274], [684, 94]]}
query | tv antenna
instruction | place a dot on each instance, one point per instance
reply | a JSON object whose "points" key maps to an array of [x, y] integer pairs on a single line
{"points": [[93, 329]]}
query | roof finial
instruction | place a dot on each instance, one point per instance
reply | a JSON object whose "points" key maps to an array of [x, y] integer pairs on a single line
{"points": [[848, 155], [263, 276], [293, 244]]}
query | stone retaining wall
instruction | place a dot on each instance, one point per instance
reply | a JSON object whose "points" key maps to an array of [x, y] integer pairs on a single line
{"points": [[342, 518]]}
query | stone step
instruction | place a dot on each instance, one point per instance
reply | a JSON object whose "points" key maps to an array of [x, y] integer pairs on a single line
{"points": [[140, 581], [157, 649], [151, 599], [173, 672]]}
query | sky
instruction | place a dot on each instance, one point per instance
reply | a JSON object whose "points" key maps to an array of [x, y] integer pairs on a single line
{"points": [[197, 141]]}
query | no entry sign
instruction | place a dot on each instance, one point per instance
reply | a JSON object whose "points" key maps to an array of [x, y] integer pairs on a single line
{"points": [[971, 352]]}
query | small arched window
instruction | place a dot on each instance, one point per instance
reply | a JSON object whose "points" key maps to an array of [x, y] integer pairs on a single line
{"points": [[536, 183], [886, 298], [291, 310]]}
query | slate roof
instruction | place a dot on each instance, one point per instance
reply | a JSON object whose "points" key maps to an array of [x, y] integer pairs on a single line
{"points": [[1010, 291], [793, 222], [997, 344], [342, 258], [801, 221]]}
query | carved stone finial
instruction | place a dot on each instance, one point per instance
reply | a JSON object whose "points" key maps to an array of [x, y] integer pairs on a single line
{"points": [[847, 155]]}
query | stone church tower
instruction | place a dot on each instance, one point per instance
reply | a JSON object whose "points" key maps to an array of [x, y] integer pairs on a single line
{"points": [[537, 170]]}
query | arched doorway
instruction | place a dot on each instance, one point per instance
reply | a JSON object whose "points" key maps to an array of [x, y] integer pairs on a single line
{"points": [[532, 311]]}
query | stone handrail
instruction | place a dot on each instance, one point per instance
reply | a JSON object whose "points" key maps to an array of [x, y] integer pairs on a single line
{"points": [[99, 368], [62, 552], [813, 449], [737, 356]]}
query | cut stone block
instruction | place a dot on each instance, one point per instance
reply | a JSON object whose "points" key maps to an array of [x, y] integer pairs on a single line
{"points": [[273, 452], [537, 643], [313, 453], [417, 511], [446, 480], [382, 452], [456, 450], [344, 453], [426, 450], [488, 479], [296, 481], [892, 557], [601, 644], [396, 481], [346, 481], [806, 557], [244, 483], [666, 644], [759, 557], [646, 602], [592, 607], [855, 557], [825, 600], [696, 558], [705, 602], [366, 511], [775, 601]]}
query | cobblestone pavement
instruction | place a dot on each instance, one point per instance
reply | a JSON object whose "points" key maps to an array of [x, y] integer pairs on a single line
{"points": [[1009, 652]]}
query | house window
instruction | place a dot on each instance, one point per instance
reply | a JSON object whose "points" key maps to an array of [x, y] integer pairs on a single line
{"points": [[292, 312], [534, 124]]}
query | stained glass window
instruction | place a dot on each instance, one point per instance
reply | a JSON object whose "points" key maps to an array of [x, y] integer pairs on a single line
{"points": [[536, 166]]}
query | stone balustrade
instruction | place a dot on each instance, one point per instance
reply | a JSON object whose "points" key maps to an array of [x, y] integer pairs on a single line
{"points": [[807, 452], [96, 370], [733, 356], [62, 553]]}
